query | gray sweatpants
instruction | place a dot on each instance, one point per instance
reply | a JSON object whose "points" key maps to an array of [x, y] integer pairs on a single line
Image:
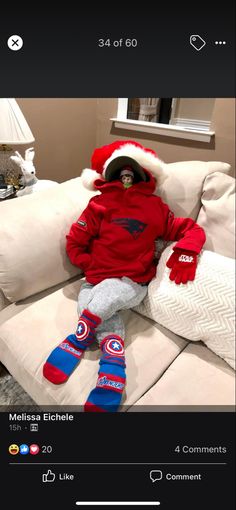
{"points": [[106, 299]]}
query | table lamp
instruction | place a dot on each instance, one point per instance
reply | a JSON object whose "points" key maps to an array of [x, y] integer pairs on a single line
{"points": [[14, 130]]}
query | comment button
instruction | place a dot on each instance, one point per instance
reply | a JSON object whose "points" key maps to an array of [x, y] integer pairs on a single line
{"points": [[155, 475]]}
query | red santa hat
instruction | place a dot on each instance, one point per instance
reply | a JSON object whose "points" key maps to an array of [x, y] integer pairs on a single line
{"points": [[107, 160]]}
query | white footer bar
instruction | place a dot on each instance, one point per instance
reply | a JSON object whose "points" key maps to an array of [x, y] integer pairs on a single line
{"points": [[118, 503]]}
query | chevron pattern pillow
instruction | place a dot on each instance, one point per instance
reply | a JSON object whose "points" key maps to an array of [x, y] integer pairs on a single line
{"points": [[200, 310]]}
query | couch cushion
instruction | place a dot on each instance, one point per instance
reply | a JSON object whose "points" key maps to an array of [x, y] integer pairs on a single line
{"points": [[196, 377], [180, 184], [13, 309], [3, 301], [200, 310], [27, 339], [217, 214], [33, 229]]}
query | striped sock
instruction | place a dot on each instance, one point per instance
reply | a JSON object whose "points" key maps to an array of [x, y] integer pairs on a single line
{"points": [[67, 355], [107, 394]]}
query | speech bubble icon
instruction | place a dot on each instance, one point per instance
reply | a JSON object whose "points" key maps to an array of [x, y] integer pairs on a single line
{"points": [[155, 475]]}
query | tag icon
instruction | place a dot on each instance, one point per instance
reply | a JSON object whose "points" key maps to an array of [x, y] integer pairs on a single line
{"points": [[197, 42]]}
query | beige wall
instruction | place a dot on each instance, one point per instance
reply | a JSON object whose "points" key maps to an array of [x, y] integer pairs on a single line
{"points": [[221, 148], [65, 135], [67, 131]]}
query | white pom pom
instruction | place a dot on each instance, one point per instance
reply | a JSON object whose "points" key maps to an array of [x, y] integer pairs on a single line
{"points": [[88, 177]]}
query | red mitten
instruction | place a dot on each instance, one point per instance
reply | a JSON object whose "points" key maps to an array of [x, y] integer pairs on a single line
{"points": [[183, 264]]}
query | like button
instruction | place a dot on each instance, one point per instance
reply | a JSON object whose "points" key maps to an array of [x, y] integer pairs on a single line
{"points": [[49, 476]]}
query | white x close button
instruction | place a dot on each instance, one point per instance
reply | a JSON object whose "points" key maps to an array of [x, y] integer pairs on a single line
{"points": [[15, 42]]}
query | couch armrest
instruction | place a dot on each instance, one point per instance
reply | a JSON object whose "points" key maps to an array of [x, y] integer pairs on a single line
{"points": [[34, 227]]}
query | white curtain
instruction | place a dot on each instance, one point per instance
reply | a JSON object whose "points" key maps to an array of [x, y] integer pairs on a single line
{"points": [[149, 109]]}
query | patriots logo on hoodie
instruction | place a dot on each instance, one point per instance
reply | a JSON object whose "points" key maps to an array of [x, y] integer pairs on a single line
{"points": [[134, 227]]}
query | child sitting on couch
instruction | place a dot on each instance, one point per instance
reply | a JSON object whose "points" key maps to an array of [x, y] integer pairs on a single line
{"points": [[113, 242]]}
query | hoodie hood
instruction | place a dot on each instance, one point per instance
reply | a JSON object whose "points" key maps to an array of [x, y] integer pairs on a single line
{"points": [[145, 187]]}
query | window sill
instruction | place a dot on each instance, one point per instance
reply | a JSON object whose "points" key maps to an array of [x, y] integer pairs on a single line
{"points": [[164, 130]]}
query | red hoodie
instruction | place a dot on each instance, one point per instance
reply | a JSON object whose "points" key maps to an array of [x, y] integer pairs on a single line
{"points": [[115, 235]]}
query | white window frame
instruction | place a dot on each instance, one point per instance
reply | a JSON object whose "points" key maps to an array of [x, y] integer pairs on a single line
{"points": [[189, 130]]}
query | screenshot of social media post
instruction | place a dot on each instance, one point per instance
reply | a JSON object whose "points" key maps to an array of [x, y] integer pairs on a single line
{"points": [[117, 260]]}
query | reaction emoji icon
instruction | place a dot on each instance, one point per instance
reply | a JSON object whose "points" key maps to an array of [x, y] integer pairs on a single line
{"points": [[34, 449], [24, 449], [13, 449]]}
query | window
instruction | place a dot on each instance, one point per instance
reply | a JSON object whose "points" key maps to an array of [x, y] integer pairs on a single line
{"points": [[188, 118], [150, 109]]}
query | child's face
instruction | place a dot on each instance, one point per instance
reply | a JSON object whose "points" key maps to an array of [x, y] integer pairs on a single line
{"points": [[127, 179]]}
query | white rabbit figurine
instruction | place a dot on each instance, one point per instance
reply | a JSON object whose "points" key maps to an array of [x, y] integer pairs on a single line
{"points": [[28, 179]]}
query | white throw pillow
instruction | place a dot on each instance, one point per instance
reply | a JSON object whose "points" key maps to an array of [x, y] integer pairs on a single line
{"points": [[200, 310], [217, 214]]}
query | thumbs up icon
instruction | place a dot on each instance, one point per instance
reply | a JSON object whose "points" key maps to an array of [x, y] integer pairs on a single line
{"points": [[49, 476]]}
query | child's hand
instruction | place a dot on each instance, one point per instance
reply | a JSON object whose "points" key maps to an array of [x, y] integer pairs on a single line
{"points": [[183, 264]]}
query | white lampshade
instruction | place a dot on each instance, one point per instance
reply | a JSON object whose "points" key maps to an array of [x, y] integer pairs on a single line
{"points": [[14, 129]]}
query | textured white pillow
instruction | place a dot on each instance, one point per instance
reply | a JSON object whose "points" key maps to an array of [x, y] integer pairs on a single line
{"points": [[200, 310]]}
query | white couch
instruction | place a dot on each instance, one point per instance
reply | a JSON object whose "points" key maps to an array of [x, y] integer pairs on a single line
{"points": [[39, 289]]}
